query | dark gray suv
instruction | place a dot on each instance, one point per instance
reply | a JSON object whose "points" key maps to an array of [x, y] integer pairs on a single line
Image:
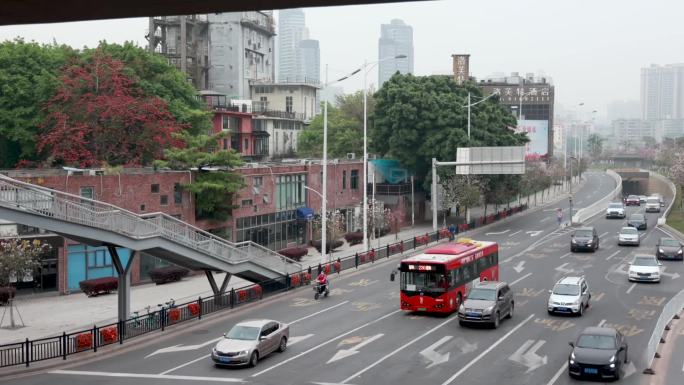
{"points": [[584, 238], [487, 302]]}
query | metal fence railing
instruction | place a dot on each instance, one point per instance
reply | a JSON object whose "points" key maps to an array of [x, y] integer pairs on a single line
{"points": [[66, 344], [671, 309], [17, 195]]}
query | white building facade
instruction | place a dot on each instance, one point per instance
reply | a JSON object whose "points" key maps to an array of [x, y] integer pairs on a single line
{"points": [[396, 39]]}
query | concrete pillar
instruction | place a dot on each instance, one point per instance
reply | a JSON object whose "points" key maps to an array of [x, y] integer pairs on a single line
{"points": [[184, 45], [124, 290], [212, 282]]}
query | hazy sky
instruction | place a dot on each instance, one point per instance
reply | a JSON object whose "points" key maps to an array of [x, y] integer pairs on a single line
{"points": [[592, 49]]}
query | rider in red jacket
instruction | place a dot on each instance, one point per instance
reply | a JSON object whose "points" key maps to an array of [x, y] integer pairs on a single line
{"points": [[322, 278]]}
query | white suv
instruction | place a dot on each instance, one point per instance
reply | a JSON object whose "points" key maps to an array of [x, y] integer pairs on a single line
{"points": [[652, 204], [570, 295], [615, 210]]}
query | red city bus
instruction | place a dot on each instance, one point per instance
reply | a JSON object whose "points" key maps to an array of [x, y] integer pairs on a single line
{"points": [[438, 279]]}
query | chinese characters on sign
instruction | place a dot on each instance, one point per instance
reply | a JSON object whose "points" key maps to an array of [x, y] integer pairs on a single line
{"points": [[461, 68], [530, 94]]}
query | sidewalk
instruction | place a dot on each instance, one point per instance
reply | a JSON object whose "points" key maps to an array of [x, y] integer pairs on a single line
{"points": [[50, 315]]}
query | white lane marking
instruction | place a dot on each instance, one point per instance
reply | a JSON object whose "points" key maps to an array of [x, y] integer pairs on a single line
{"points": [[520, 279], [562, 268], [517, 232], [544, 219], [152, 376], [397, 350], [479, 357], [527, 355], [603, 235], [326, 343], [183, 348], [565, 255], [601, 323], [344, 353], [612, 255], [318, 312], [185, 364], [296, 339], [534, 233], [631, 288], [498, 233], [682, 368]]}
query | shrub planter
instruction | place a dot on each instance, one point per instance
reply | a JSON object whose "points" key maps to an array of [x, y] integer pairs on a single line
{"points": [[93, 287], [295, 253], [109, 335], [194, 309], [354, 238], [166, 274], [332, 245], [84, 341], [174, 315]]}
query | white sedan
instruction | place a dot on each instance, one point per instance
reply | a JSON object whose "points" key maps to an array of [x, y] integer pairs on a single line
{"points": [[628, 236], [644, 268]]}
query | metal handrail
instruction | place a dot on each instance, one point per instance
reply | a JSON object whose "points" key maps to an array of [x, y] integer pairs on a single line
{"points": [[93, 213]]}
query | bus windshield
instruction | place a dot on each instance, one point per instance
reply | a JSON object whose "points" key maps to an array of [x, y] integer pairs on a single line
{"points": [[423, 281]]}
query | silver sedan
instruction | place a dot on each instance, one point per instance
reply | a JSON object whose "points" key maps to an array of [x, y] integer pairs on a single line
{"points": [[249, 341]]}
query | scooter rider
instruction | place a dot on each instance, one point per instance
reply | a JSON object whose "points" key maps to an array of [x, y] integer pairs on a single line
{"points": [[322, 280]]}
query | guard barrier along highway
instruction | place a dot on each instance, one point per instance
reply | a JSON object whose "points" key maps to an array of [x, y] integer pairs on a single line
{"points": [[588, 212], [671, 309], [663, 218]]}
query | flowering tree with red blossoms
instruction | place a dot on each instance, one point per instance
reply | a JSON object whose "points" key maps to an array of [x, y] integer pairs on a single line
{"points": [[99, 115]]}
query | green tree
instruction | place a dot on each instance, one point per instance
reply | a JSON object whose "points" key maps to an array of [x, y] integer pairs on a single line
{"points": [[420, 118], [215, 184], [29, 75], [595, 144]]}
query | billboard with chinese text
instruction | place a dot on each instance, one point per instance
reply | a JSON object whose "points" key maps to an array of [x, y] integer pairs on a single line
{"points": [[538, 133]]}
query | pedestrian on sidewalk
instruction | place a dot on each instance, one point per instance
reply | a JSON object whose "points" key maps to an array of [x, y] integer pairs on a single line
{"points": [[559, 215], [452, 232]]}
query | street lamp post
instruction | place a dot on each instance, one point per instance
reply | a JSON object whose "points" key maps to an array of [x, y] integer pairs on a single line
{"points": [[367, 67]]}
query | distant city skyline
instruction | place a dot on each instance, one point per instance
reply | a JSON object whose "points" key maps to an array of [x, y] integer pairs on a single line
{"points": [[396, 39], [299, 56], [563, 40]]}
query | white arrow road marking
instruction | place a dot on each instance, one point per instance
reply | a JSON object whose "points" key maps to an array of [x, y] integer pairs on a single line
{"points": [[296, 339], [517, 232], [465, 346], [344, 353], [528, 356], [486, 351], [562, 269], [499, 233], [674, 275], [181, 348], [433, 356], [519, 267], [533, 233]]}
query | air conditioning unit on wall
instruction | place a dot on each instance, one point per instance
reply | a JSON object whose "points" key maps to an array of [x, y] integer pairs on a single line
{"points": [[351, 155]]}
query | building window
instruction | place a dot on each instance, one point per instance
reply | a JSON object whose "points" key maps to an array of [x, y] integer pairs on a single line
{"points": [[258, 181], [164, 200], [177, 194], [288, 104], [154, 188], [344, 179], [246, 145], [246, 202], [87, 192], [290, 192], [142, 207], [99, 258], [225, 123], [354, 180]]}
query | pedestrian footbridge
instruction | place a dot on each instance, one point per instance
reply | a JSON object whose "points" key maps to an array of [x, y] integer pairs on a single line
{"points": [[101, 224]]}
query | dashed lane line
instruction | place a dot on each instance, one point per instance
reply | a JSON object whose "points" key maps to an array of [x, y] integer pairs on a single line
{"points": [[520, 279], [612, 255], [326, 343], [517, 232], [565, 255], [490, 348], [631, 288]]}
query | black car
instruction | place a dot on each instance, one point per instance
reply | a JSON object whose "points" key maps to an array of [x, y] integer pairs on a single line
{"points": [[598, 353], [584, 238], [668, 248], [638, 221]]}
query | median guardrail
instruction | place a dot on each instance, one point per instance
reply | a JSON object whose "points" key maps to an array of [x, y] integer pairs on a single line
{"points": [[671, 311], [663, 217], [598, 206]]}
